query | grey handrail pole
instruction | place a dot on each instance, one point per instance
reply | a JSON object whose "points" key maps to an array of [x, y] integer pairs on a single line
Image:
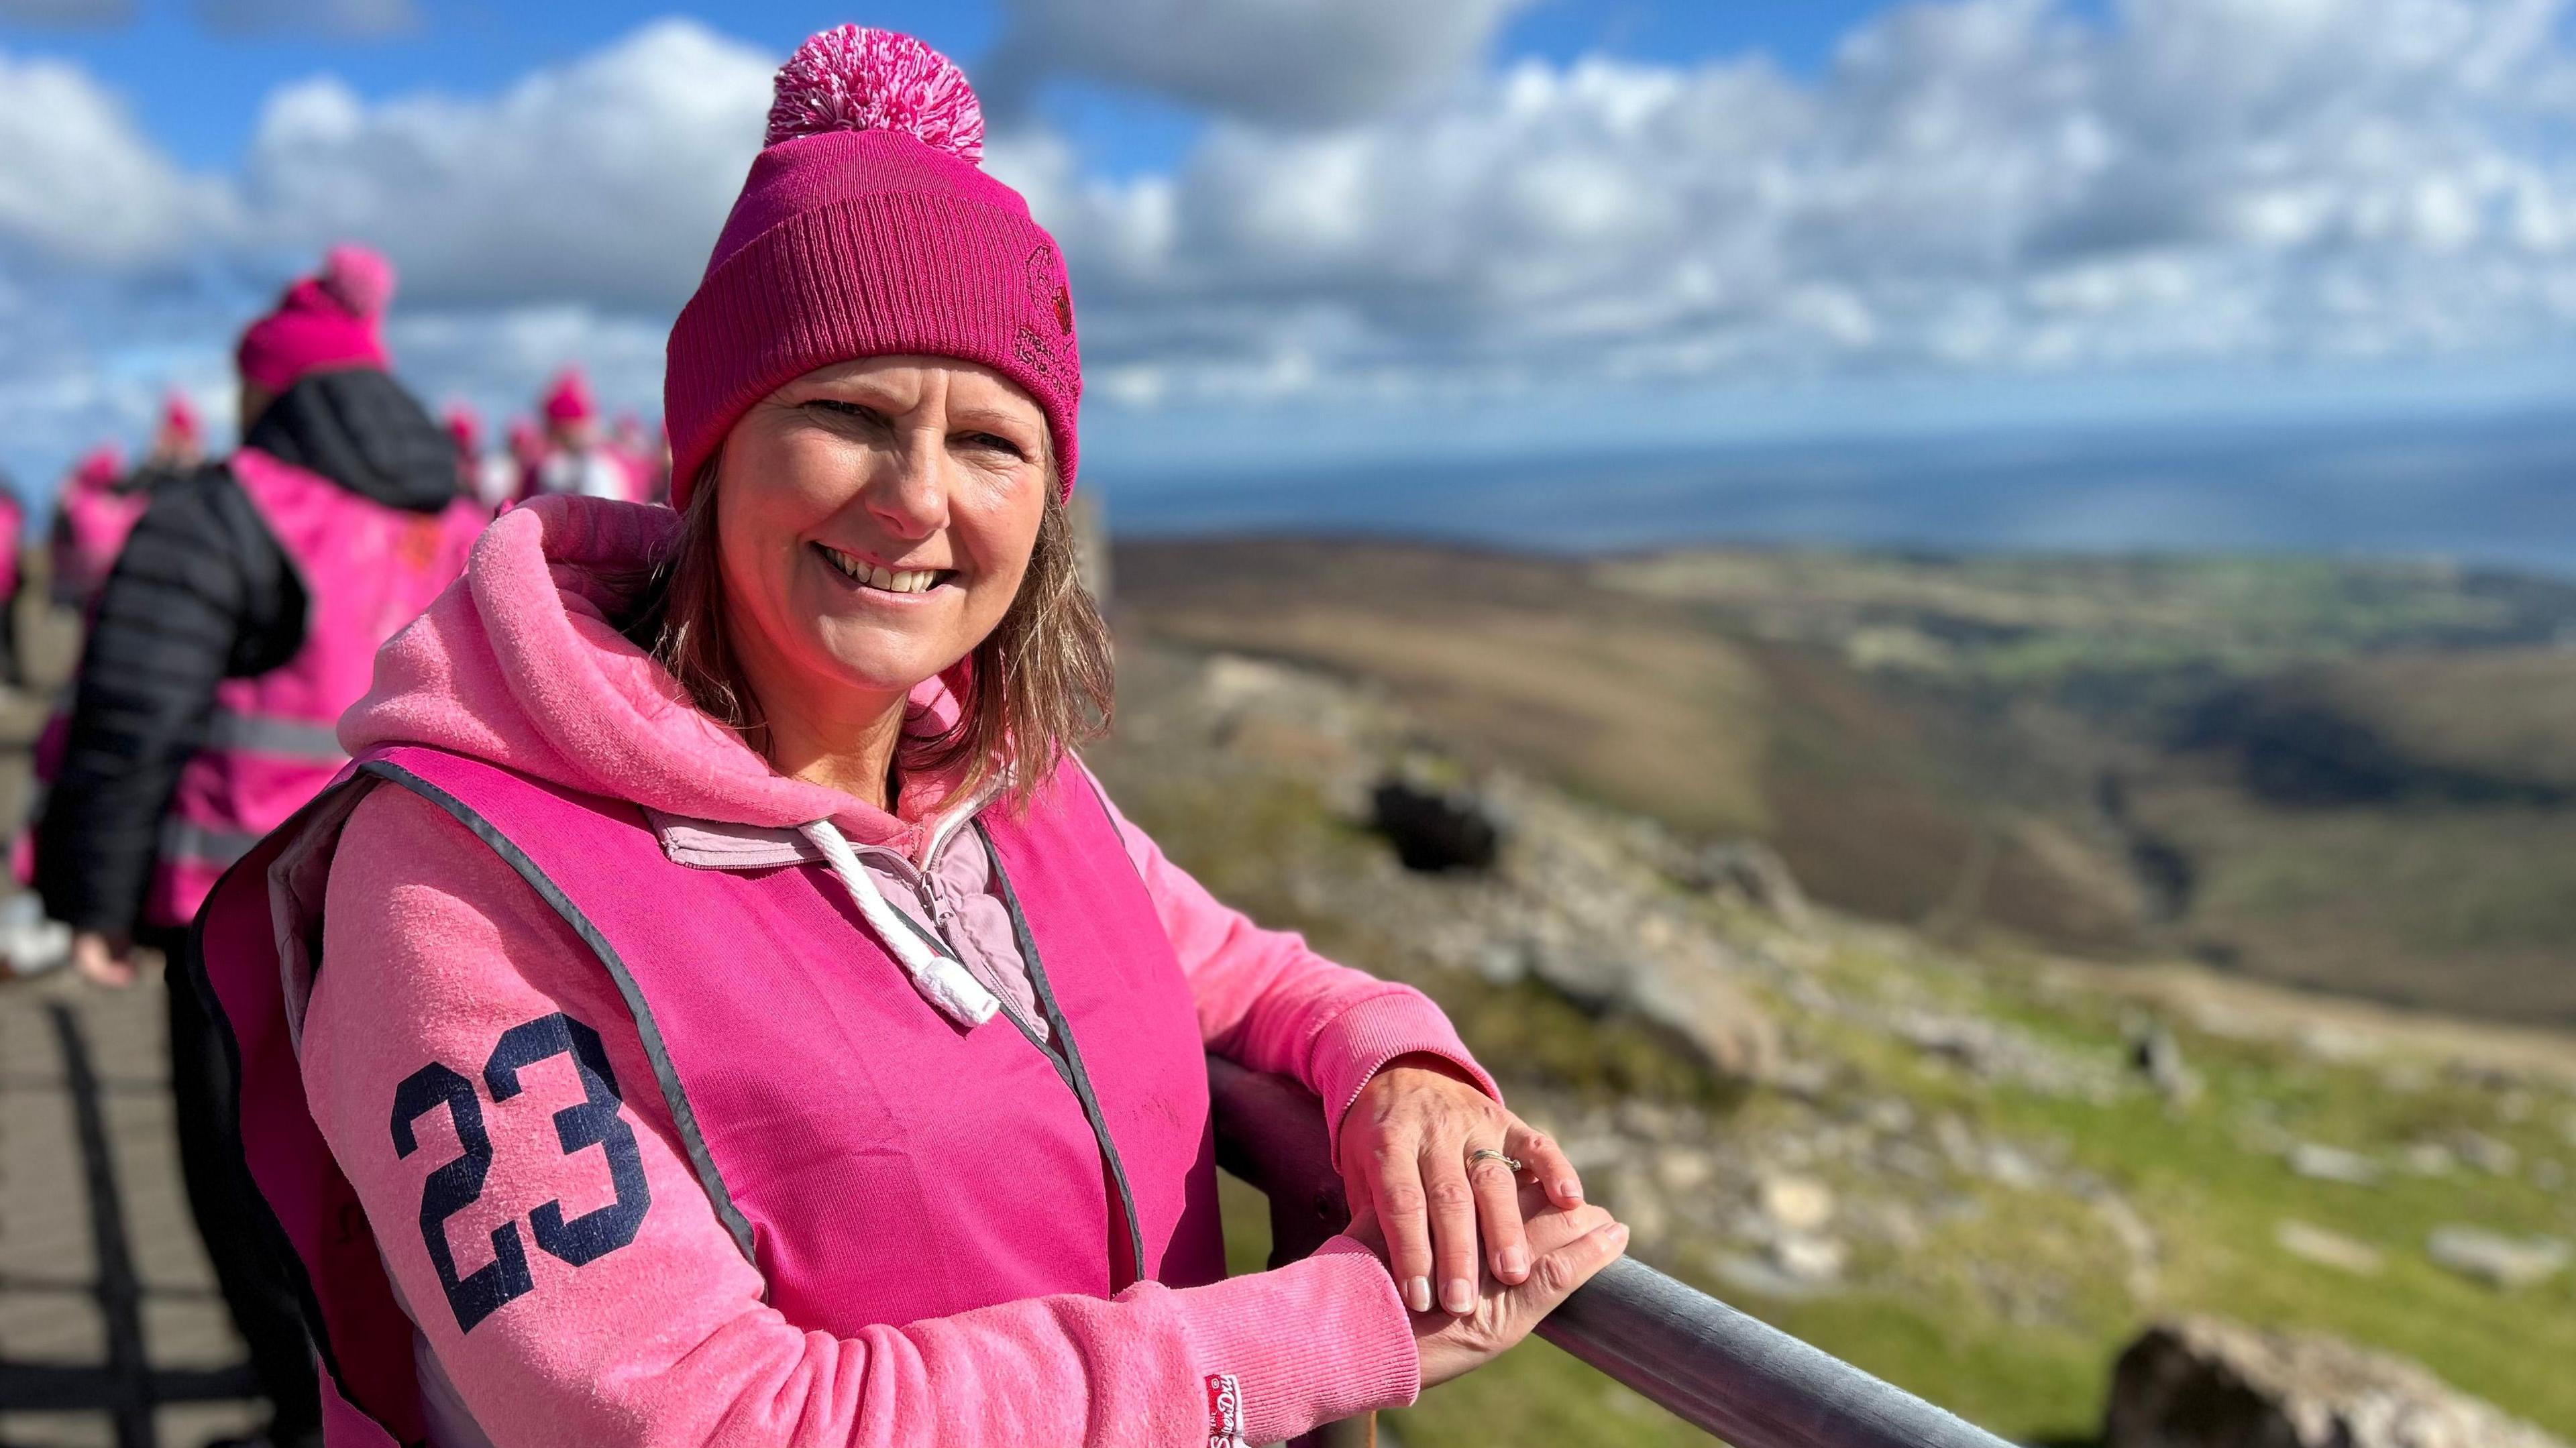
{"points": [[1737, 1376], [1688, 1353]]}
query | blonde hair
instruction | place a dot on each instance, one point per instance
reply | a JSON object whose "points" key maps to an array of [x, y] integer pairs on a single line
{"points": [[1040, 684]]}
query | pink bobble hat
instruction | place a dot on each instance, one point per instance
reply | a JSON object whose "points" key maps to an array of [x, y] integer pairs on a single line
{"points": [[334, 318], [866, 228]]}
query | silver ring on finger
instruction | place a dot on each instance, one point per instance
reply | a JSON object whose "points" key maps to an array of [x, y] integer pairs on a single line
{"points": [[1487, 1153]]}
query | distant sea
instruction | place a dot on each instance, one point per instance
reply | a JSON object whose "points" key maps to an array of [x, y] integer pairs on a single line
{"points": [[2493, 490]]}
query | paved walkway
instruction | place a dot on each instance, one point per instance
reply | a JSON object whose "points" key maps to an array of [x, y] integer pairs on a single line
{"points": [[110, 1330]]}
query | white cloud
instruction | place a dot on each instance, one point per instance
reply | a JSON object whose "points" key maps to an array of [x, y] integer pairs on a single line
{"points": [[1985, 185], [499, 359], [1969, 188], [560, 220], [80, 184], [1300, 62], [601, 181]]}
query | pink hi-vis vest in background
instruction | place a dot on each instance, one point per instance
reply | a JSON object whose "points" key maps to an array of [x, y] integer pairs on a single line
{"points": [[273, 743], [13, 526], [874, 1162], [96, 523]]}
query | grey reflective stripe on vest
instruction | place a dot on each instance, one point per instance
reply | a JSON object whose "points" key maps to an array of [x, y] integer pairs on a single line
{"points": [[194, 843], [268, 734], [1060, 1049]]}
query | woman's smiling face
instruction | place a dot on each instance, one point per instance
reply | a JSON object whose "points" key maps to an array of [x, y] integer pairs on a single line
{"points": [[874, 519]]}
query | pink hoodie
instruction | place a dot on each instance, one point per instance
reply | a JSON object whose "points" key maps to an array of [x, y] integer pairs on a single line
{"points": [[434, 946]]}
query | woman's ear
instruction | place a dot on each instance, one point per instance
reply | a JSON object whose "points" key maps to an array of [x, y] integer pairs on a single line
{"points": [[255, 400]]}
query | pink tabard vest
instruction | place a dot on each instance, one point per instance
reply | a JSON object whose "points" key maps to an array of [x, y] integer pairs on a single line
{"points": [[272, 744], [96, 522], [874, 1162]]}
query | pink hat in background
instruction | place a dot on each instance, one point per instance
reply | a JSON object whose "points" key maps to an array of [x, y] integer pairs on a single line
{"points": [[333, 318], [569, 400], [464, 428], [179, 419], [867, 229], [100, 468]]}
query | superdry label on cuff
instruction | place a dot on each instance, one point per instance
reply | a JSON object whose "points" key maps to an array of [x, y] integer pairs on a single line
{"points": [[1225, 1411]]}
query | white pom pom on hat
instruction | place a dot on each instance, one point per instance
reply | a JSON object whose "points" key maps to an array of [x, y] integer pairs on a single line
{"points": [[359, 278], [851, 78]]}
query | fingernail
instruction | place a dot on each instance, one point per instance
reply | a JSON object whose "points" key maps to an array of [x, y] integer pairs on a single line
{"points": [[1515, 1263], [1619, 1234], [1459, 1296], [1417, 1293], [1570, 1191]]}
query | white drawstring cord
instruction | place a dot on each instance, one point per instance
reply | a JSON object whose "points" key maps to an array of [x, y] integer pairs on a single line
{"points": [[942, 981]]}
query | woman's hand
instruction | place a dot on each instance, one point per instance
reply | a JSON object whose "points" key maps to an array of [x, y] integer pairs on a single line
{"points": [[106, 960], [1405, 1149], [1571, 1245]]}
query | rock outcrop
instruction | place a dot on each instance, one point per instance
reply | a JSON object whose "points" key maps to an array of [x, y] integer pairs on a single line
{"points": [[2495, 1258], [2205, 1383], [1434, 830]]}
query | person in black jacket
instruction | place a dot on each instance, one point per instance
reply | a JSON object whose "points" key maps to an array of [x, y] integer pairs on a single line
{"points": [[204, 591]]}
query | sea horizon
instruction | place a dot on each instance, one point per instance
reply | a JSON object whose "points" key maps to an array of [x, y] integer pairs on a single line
{"points": [[2496, 491]]}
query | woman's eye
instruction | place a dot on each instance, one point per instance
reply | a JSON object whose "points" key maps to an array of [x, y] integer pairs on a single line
{"points": [[993, 442], [851, 410]]}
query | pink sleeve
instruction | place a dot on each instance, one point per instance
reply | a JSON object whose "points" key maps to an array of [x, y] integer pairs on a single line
{"points": [[434, 947], [1269, 1003]]}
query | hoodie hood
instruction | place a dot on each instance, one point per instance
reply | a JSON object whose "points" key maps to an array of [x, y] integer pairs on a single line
{"points": [[359, 428], [519, 664]]}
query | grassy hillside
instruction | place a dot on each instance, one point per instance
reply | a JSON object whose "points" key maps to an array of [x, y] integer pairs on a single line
{"points": [[1891, 799], [2354, 776], [2014, 1199]]}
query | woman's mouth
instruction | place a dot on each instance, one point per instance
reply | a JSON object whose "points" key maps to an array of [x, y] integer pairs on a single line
{"points": [[884, 580]]}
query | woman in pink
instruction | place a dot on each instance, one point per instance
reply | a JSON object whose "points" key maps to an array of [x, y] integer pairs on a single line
{"points": [[716, 1007], [94, 511]]}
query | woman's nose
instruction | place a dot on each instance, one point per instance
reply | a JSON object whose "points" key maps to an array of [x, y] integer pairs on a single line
{"points": [[909, 493]]}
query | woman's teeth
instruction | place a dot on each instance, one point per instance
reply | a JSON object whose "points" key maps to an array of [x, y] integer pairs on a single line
{"points": [[891, 580]]}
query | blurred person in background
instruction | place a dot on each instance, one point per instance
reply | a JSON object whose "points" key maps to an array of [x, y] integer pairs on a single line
{"points": [[490, 479], [241, 618], [93, 512], [577, 459], [751, 832], [646, 456], [29, 943], [93, 516], [101, 500], [526, 451], [178, 442], [13, 537]]}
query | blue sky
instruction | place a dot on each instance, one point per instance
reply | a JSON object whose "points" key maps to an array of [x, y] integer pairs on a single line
{"points": [[1354, 232], [200, 91]]}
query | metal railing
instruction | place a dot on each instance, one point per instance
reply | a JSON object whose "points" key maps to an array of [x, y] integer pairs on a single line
{"points": [[1699, 1359]]}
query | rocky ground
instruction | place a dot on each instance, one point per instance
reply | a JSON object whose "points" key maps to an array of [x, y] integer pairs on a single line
{"points": [[1980, 1174]]}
